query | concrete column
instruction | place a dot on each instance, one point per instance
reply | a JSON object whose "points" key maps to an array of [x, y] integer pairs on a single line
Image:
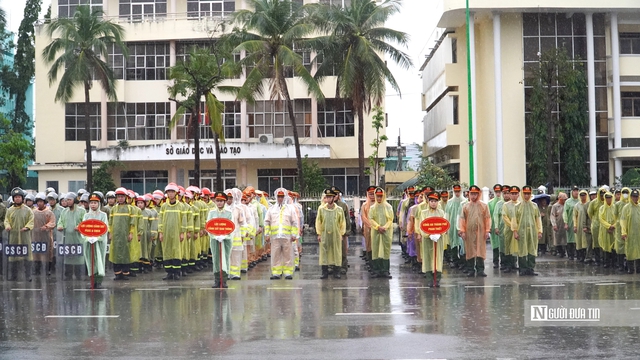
{"points": [[243, 173], [497, 68], [593, 170], [103, 119], [472, 69], [617, 107], [172, 104]]}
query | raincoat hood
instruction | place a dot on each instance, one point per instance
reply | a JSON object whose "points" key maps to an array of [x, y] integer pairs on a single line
{"points": [[287, 198]]}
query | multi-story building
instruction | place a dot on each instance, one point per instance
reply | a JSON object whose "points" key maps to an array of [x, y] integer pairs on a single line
{"points": [[506, 40], [258, 149]]}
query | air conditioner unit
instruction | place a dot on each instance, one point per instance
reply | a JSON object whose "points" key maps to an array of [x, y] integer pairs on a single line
{"points": [[266, 138], [288, 141]]}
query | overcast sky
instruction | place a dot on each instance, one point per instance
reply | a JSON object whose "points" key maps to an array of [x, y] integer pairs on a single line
{"points": [[417, 18]]}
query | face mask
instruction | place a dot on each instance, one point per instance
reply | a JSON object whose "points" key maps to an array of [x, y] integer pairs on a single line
{"points": [[625, 196]]}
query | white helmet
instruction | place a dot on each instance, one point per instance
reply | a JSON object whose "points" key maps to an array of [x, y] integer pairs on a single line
{"points": [[52, 195], [41, 196]]}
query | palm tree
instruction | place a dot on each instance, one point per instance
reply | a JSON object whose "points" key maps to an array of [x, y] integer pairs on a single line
{"points": [[354, 48], [78, 54], [193, 79], [268, 34]]}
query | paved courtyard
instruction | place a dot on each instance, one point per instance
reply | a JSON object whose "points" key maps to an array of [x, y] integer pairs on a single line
{"points": [[352, 318]]}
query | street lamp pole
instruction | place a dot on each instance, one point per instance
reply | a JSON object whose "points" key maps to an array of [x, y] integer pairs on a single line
{"points": [[470, 104]]}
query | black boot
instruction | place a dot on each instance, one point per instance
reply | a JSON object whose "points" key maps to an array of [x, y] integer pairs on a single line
{"points": [[49, 268], [216, 280], [325, 272], [225, 276], [68, 272], [13, 271], [38, 267], [336, 272], [77, 271]]}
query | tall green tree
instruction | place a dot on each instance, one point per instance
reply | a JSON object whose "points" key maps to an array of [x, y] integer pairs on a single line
{"points": [[24, 66], [355, 50], [375, 162], [558, 122], [431, 175], [15, 152], [268, 33], [192, 80], [77, 52]]}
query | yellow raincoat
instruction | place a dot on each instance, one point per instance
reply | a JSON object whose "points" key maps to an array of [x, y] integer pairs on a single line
{"points": [[528, 223], [330, 225], [630, 227], [607, 218], [430, 247]]}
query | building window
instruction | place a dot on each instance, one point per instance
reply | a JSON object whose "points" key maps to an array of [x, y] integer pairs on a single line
{"points": [[305, 54], [75, 185], [74, 121], [456, 118], [454, 50], [137, 10], [231, 118], [272, 117], [630, 43], [631, 142], [67, 8], [137, 121], [54, 185], [271, 179], [115, 60], [147, 61], [335, 118], [210, 8], [208, 179], [185, 48], [144, 181], [346, 179], [543, 32], [630, 104]]}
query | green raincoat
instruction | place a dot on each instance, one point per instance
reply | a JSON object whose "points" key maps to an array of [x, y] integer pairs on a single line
{"points": [[497, 223], [630, 227], [330, 225], [122, 222], [452, 213], [100, 246], [567, 216], [69, 221], [226, 241], [495, 239], [580, 223], [171, 223]]}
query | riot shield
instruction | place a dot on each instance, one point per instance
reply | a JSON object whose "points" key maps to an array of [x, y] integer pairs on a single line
{"points": [[42, 250], [16, 256], [70, 263]]}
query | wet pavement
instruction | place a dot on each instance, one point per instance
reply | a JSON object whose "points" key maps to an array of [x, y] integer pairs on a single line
{"points": [[352, 318]]}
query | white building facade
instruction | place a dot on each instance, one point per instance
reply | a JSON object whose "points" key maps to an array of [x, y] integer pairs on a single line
{"points": [[258, 148]]}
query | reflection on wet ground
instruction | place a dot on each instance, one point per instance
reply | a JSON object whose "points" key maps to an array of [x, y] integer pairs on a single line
{"points": [[352, 318]]}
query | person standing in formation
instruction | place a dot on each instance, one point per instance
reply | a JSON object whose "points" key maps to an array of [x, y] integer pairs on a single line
{"points": [[69, 220], [567, 217], [221, 244], [558, 224], [281, 227], [44, 221], [495, 239], [527, 230], [330, 225], [95, 259], [381, 218], [432, 249], [475, 225], [18, 222]]}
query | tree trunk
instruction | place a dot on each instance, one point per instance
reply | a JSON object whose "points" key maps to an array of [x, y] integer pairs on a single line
{"points": [[87, 129], [196, 153], [362, 182], [218, 184], [296, 141]]}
